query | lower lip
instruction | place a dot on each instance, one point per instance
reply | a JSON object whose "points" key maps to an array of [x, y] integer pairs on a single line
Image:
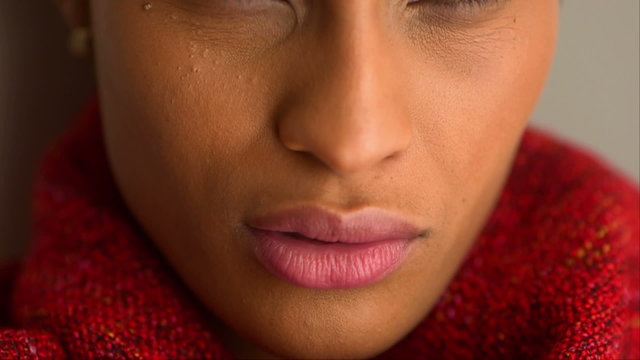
{"points": [[319, 265]]}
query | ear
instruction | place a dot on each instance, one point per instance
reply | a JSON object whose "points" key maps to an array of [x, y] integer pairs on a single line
{"points": [[75, 12]]}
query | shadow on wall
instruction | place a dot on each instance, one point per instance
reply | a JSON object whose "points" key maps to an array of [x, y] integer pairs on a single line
{"points": [[41, 89]]}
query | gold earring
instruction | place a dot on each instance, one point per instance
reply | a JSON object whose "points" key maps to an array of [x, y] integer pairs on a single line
{"points": [[79, 41]]}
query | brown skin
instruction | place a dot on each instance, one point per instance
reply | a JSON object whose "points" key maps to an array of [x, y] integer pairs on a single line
{"points": [[215, 111]]}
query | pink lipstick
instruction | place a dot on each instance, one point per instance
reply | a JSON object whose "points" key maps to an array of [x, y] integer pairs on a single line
{"points": [[314, 248]]}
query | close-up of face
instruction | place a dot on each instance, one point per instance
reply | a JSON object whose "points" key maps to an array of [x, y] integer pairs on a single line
{"points": [[316, 170]]}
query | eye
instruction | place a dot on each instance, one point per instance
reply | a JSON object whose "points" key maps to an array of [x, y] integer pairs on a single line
{"points": [[448, 2], [452, 4], [243, 26], [455, 9], [244, 3], [231, 6]]}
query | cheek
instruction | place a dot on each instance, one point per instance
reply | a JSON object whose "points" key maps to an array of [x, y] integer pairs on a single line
{"points": [[164, 96], [172, 101], [473, 103], [479, 91], [182, 119]]}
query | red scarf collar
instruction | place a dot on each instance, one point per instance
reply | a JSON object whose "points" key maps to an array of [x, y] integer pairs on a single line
{"points": [[551, 277]]}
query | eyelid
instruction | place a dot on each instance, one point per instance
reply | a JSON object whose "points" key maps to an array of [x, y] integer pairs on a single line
{"points": [[456, 11], [228, 7], [456, 5]]}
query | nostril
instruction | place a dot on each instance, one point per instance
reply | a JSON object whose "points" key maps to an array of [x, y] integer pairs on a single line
{"points": [[289, 142], [294, 146]]}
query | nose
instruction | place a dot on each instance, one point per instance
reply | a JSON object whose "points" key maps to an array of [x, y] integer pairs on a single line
{"points": [[347, 110]]}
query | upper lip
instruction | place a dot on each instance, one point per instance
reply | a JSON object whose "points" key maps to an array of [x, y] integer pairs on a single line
{"points": [[368, 225]]}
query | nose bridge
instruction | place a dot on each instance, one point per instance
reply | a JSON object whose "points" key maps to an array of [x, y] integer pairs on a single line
{"points": [[348, 114]]}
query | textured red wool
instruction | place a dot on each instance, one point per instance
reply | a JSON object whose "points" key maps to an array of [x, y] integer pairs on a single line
{"points": [[554, 274]]}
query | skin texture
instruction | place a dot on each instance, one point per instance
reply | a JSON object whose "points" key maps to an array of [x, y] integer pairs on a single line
{"points": [[215, 111]]}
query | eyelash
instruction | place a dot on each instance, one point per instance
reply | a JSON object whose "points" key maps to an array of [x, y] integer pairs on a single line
{"points": [[453, 11], [450, 3]]}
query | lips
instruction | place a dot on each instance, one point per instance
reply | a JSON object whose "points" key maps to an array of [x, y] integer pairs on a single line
{"points": [[314, 248]]}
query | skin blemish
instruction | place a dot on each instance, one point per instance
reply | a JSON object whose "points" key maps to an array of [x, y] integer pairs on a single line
{"points": [[147, 6]]}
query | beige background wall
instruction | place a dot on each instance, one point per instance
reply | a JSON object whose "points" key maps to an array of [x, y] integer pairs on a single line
{"points": [[592, 96]]}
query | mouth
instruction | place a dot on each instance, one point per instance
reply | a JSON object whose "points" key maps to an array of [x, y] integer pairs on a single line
{"points": [[315, 248]]}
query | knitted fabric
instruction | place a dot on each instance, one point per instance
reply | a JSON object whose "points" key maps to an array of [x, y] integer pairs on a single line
{"points": [[554, 274]]}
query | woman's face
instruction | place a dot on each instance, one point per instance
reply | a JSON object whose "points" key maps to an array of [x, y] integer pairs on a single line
{"points": [[218, 112]]}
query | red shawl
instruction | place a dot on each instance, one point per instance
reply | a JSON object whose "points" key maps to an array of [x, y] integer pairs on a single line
{"points": [[554, 274]]}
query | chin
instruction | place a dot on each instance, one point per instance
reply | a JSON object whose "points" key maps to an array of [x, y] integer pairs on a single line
{"points": [[321, 324], [359, 346]]}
